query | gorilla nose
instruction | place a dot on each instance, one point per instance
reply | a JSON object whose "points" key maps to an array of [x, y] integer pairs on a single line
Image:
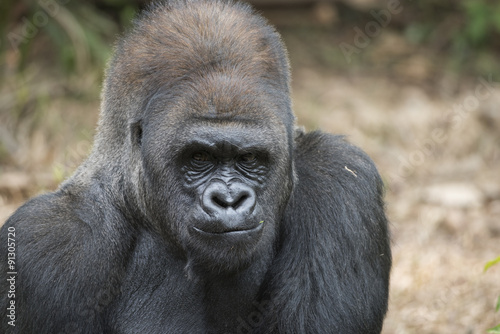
{"points": [[219, 198]]}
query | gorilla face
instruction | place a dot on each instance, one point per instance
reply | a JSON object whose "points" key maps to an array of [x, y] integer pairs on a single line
{"points": [[219, 186]]}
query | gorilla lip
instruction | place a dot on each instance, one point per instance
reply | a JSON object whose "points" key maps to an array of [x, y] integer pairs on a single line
{"points": [[231, 232]]}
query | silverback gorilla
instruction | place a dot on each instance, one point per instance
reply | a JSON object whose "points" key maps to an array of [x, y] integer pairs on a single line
{"points": [[201, 208]]}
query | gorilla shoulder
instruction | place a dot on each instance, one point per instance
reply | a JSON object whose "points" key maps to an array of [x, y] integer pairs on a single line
{"points": [[60, 240], [48, 218], [329, 154]]}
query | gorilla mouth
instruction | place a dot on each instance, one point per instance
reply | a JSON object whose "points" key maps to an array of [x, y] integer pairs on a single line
{"points": [[219, 237], [231, 232]]}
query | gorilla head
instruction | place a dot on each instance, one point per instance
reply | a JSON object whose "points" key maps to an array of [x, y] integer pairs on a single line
{"points": [[205, 128]]}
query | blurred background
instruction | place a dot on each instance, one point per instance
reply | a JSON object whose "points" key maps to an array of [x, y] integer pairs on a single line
{"points": [[414, 83]]}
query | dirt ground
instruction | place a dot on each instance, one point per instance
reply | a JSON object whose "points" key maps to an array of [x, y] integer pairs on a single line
{"points": [[437, 147]]}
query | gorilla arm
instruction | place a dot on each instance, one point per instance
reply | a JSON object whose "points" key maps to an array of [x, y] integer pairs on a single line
{"points": [[332, 269]]}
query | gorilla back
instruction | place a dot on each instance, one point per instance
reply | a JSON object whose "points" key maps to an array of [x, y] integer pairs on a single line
{"points": [[201, 209]]}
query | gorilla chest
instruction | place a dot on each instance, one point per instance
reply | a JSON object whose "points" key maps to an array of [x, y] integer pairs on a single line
{"points": [[158, 297], [176, 307], [159, 306]]}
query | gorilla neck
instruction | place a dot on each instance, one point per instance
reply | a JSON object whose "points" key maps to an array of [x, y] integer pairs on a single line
{"points": [[231, 297]]}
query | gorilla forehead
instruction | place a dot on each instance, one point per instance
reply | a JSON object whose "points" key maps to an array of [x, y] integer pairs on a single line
{"points": [[209, 128], [218, 96]]}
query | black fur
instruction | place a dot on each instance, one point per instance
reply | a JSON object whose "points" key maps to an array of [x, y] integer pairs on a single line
{"points": [[200, 208]]}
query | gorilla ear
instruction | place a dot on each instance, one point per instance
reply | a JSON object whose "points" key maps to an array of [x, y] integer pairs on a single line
{"points": [[136, 133]]}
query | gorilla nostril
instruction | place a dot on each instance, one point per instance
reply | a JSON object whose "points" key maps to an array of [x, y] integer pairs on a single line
{"points": [[235, 204], [220, 202], [245, 200], [219, 197], [240, 201]]}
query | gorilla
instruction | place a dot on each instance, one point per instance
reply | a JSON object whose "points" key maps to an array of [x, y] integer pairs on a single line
{"points": [[202, 208]]}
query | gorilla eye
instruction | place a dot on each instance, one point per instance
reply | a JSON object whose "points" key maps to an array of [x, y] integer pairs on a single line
{"points": [[248, 157], [201, 157]]}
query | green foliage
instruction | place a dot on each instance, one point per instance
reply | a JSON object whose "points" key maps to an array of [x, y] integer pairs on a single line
{"points": [[482, 20], [477, 23], [464, 24], [81, 33], [466, 30], [489, 264], [418, 32], [494, 330]]}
